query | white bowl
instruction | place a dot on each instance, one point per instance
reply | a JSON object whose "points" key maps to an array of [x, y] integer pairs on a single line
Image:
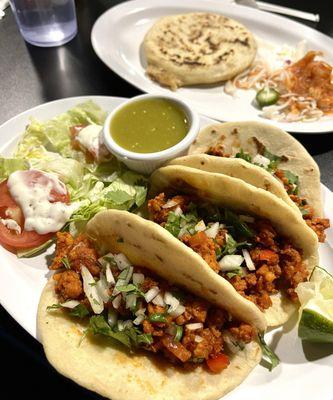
{"points": [[146, 163]]}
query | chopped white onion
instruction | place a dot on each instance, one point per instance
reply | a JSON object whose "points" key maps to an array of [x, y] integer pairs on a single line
{"points": [[230, 342], [103, 260], [259, 159], [138, 278], [151, 294], [178, 311], [246, 218], [131, 300], [158, 300], [213, 230], [178, 211], [200, 226], [90, 290], [195, 326], [172, 301], [169, 204], [138, 320], [248, 260], [198, 339], [103, 289], [230, 262], [140, 311], [70, 303], [127, 324], [121, 261], [116, 302], [112, 318], [109, 275]]}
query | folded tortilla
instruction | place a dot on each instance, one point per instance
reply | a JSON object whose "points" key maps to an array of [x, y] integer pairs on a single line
{"points": [[106, 368], [237, 195], [248, 136]]}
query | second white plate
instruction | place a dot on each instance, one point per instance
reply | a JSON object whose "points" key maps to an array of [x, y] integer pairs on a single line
{"points": [[117, 40]]}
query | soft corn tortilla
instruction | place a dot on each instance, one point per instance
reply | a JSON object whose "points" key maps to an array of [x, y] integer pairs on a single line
{"points": [[248, 135], [105, 367], [233, 193], [197, 48]]}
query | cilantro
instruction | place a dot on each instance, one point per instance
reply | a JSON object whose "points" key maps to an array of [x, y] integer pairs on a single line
{"points": [[53, 307], [80, 311], [304, 211], [98, 325], [145, 338], [274, 160], [185, 222], [236, 272], [244, 156], [239, 226], [66, 263], [131, 288], [292, 180], [268, 355]]}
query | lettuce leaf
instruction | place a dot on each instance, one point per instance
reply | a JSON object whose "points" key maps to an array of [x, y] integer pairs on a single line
{"points": [[10, 165]]}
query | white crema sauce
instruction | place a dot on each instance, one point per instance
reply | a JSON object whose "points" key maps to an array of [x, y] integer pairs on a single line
{"points": [[39, 213], [90, 138]]}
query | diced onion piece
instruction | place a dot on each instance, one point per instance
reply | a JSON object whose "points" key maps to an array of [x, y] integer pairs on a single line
{"points": [[127, 324], [89, 287], [121, 261], [213, 230], [138, 320], [198, 339], [172, 301], [195, 326], [169, 204], [200, 226], [103, 288], [138, 278], [131, 300], [259, 159], [112, 317], [151, 294], [230, 342], [103, 260], [230, 262], [116, 302], [140, 311], [178, 211], [248, 260], [246, 218], [158, 300], [120, 325], [109, 275], [178, 311], [70, 304]]}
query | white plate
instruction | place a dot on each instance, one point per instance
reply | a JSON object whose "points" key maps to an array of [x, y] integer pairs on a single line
{"points": [[21, 282], [118, 34]]}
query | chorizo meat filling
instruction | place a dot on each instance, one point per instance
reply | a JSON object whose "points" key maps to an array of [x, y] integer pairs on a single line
{"points": [[246, 251], [140, 310]]}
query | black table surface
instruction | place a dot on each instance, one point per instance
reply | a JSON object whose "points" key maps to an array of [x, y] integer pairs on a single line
{"points": [[30, 76]]}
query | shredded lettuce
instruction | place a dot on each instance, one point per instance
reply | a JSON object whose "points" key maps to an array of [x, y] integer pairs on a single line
{"points": [[10, 165]]}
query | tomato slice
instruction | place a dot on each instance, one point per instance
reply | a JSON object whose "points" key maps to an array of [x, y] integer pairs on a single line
{"points": [[218, 363], [12, 240]]}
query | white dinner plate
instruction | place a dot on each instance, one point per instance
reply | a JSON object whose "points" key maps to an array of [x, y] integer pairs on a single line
{"points": [[118, 34], [305, 371]]}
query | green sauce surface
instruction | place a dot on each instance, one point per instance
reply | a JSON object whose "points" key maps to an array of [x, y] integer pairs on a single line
{"points": [[149, 125]]}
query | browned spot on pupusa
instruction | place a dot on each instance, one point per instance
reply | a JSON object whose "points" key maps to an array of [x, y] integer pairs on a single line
{"points": [[159, 258]]}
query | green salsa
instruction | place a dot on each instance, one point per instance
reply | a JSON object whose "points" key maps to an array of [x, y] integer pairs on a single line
{"points": [[149, 125]]}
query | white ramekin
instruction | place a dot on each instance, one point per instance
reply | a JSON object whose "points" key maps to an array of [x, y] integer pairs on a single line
{"points": [[146, 163]]}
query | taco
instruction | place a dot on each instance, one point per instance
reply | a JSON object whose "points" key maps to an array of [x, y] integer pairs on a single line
{"points": [[156, 323], [254, 146], [248, 236]]}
